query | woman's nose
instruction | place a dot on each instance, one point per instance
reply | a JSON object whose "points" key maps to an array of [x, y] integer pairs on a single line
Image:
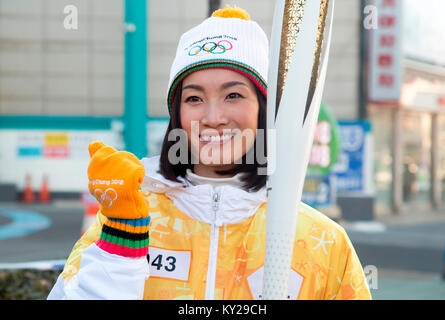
{"points": [[214, 115]]}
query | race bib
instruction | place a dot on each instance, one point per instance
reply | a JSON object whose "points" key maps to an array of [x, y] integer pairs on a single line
{"points": [[169, 264]]}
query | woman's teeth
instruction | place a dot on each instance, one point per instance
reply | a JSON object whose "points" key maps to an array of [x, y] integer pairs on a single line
{"points": [[223, 138]]}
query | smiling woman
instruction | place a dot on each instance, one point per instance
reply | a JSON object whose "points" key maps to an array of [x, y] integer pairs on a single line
{"points": [[223, 115], [205, 214], [222, 104]]}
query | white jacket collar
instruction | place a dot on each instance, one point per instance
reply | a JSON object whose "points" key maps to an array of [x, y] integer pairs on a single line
{"points": [[234, 181], [235, 204]]}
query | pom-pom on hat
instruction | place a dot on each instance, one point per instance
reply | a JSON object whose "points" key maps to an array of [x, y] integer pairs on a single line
{"points": [[229, 12], [229, 40]]}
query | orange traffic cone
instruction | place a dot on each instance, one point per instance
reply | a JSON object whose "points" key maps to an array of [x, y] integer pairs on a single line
{"points": [[44, 195], [91, 209], [28, 193]]}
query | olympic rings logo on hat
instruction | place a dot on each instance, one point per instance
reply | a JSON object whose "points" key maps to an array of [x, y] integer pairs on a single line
{"points": [[106, 197], [211, 47]]}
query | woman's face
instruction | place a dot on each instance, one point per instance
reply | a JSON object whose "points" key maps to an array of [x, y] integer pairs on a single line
{"points": [[219, 112]]}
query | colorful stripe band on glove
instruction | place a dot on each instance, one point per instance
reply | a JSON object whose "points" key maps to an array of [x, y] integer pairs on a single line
{"points": [[125, 237]]}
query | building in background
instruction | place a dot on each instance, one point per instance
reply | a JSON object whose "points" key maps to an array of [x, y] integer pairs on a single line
{"points": [[406, 103], [61, 88]]}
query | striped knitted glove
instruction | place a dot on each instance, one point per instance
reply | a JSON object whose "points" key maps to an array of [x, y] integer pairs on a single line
{"points": [[125, 237], [115, 179]]}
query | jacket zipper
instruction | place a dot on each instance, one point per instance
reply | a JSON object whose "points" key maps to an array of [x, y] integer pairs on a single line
{"points": [[213, 250]]}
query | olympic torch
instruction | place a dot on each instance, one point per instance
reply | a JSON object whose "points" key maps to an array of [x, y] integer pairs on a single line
{"points": [[299, 50]]}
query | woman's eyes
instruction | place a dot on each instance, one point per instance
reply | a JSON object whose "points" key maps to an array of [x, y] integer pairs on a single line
{"points": [[231, 96], [193, 99], [234, 95]]}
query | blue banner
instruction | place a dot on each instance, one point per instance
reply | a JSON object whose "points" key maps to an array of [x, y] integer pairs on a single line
{"points": [[350, 168]]}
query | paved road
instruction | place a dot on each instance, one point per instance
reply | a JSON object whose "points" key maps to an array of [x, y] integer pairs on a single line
{"points": [[402, 285], [416, 247], [408, 258], [54, 241]]}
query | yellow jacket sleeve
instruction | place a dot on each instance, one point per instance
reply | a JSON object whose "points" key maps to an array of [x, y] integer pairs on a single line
{"points": [[325, 259], [353, 284]]}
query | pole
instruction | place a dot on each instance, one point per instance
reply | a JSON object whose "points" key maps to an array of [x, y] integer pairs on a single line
{"points": [[135, 82], [397, 162]]}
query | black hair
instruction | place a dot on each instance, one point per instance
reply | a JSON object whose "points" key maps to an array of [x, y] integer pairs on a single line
{"points": [[252, 180]]}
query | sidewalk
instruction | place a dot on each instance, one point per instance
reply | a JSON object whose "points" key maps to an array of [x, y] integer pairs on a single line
{"points": [[407, 250], [412, 241], [402, 285]]}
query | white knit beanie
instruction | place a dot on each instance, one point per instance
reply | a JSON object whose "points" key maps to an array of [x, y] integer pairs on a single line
{"points": [[228, 39]]}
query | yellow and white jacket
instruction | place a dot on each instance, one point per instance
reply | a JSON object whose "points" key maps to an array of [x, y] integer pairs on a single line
{"points": [[208, 242]]}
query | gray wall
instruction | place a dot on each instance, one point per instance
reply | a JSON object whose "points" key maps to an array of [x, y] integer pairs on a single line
{"points": [[45, 69]]}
